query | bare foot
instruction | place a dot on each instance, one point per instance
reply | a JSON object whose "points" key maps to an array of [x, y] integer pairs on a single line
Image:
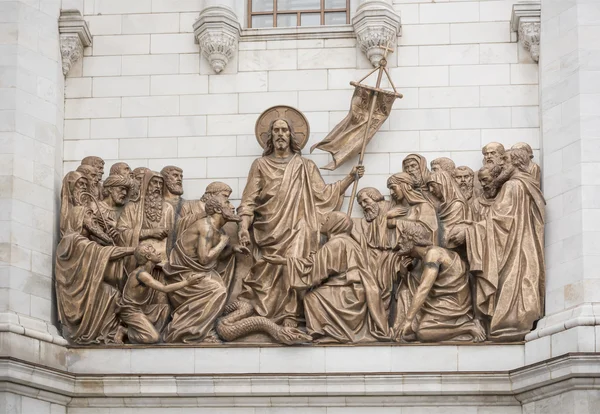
{"points": [[120, 335], [289, 323], [478, 332]]}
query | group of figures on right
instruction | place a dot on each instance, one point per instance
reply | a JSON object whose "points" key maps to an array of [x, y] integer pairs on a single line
{"points": [[455, 262]]}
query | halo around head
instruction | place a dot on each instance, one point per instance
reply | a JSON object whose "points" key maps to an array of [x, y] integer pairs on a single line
{"points": [[294, 116]]}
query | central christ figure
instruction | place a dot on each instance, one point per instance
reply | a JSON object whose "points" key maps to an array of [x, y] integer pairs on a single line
{"points": [[284, 203]]}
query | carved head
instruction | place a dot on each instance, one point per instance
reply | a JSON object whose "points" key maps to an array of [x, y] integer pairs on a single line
{"points": [[136, 185], [97, 163], [415, 165], [411, 234], [442, 164], [90, 172], [121, 168], [519, 158], [464, 176], [221, 205], [336, 223], [173, 177], [117, 188], [145, 253], [525, 146], [216, 188], [281, 137], [487, 177], [368, 198], [155, 186], [493, 153]]}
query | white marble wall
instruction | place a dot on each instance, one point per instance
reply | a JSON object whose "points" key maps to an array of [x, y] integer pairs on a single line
{"points": [[143, 94], [570, 110], [31, 125]]}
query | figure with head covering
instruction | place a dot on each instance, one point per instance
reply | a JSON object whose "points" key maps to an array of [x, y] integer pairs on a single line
{"points": [[441, 307], [344, 303], [415, 165], [530, 166], [91, 173], [98, 164], [283, 203], [148, 220], [115, 190], [506, 251], [452, 208], [443, 164], [411, 204], [87, 304]]}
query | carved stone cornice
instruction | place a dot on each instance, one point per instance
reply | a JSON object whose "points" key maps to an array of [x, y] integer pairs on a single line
{"points": [[526, 22], [377, 27], [217, 31], [74, 36]]}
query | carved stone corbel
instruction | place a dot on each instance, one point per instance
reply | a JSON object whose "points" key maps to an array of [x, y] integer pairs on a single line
{"points": [[217, 31], [74, 36], [526, 22], [377, 27]]}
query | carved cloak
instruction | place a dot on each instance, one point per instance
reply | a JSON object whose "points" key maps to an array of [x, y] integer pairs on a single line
{"points": [[346, 305], [506, 252], [287, 200]]}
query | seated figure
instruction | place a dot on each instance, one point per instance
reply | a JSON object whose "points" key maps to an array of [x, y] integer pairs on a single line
{"points": [[441, 308]]}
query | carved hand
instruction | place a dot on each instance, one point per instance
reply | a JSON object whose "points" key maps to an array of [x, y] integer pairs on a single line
{"points": [[241, 249], [357, 170], [274, 259], [244, 236]]}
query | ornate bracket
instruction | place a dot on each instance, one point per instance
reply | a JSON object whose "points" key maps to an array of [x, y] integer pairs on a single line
{"points": [[217, 31], [74, 36], [377, 27], [526, 22]]}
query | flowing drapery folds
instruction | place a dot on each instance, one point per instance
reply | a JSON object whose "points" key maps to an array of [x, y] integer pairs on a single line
{"points": [[346, 139]]}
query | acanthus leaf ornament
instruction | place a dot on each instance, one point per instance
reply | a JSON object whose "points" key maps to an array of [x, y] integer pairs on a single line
{"points": [[74, 37], [217, 31], [377, 27], [526, 22]]}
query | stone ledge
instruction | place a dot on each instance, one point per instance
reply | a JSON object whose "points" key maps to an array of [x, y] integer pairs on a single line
{"points": [[298, 33], [509, 388]]}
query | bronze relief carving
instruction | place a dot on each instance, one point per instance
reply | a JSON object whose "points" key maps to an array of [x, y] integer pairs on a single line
{"points": [[434, 261]]}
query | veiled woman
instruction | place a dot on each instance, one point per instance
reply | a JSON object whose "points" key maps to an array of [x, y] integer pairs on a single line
{"points": [[452, 207]]}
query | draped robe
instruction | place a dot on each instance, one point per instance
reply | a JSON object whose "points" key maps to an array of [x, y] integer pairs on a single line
{"points": [[287, 199], [346, 305], [87, 306], [506, 252]]}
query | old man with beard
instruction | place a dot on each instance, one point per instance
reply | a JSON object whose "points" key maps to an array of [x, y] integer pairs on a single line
{"points": [[91, 173], [493, 153], [487, 176], [213, 189], [197, 251], [530, 166], [464, 176], [98, 164], [415, 165], [173, 178], [148, 220], [87, 305], [506, 253], [383, 262]]}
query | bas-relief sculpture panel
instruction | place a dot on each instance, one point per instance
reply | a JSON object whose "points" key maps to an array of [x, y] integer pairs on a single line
{"points": [[441, 260]]}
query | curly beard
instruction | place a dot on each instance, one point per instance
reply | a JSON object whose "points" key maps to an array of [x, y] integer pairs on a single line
{"points": [[174, 187], [466, 190], [153, 206], [371, 212]]}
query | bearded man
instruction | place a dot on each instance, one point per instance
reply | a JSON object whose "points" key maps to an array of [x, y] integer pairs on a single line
{"points": [[91, 173], [493, 153], [383, 262], [488, 178], [138, 177], [148, 220], [197, 251], [415, 165], [173, 178], [115, 190], [443, 164], [87, 304], [465, 176], [506, 252], [98, 164], [284, 201]]}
